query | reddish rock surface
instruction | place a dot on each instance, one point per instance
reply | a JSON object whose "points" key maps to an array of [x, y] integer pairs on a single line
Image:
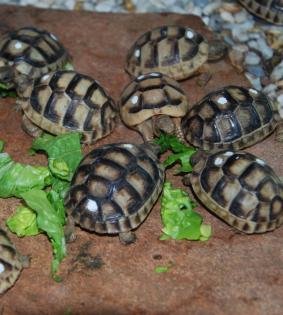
{"points": [[230, 274]]}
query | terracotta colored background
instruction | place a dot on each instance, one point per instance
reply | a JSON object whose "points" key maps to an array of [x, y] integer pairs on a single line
{"points": [[232, 273]]}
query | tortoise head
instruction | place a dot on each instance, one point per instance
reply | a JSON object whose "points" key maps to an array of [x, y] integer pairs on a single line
{"points": [[6, 74], [163, 124], [12, 77]]}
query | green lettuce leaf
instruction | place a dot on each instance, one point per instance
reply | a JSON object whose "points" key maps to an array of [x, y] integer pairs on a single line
{"points": [[23, 222], [2, 144], [69, 66], [64, 153], [49, 221], [181, 152], [179, 219], [7, 90], [161, 269], [16, 178]]}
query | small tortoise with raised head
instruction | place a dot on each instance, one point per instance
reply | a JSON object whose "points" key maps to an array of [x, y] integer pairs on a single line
{"points": [[114, 189], [65, 101], [29, 53], [231, 117], [10, 263], [269, 10], [152, 103], [239, 188], [176, 51]]}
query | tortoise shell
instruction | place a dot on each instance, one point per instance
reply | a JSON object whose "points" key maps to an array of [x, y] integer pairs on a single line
{"points": [[232, 117], [173, 50], [269, 10], [65, 101], [10, 263], [114, 188], [241, 189], [150, 95], [32, 51]]}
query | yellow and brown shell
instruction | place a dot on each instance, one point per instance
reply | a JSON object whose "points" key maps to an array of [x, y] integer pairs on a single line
{"points": [[269, 10], [150, 95], [65, 101], [241, 189], [172, 50], [32, 51], [115, 188], [232, 117], [10, 262]]}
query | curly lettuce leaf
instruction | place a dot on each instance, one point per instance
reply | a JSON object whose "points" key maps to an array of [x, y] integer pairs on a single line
{"points": [[179, 219], [56, 196], [16, 178], [49, 221], [64, 153], [23, 222], [181, 152]]}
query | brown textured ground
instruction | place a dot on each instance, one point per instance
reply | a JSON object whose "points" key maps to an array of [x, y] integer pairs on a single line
{"points": [[229, 274]]}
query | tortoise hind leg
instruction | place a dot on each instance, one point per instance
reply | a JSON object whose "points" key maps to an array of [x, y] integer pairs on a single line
{"points": [[30, 128], [127, 238]]}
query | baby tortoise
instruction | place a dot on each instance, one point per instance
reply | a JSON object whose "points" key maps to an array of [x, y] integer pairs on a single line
{"points": [[269, 10], [152, 103], [115, 188], [65, 101], [10, 262], [231, 117], [29, 52], [176, 51], [239, 188]]}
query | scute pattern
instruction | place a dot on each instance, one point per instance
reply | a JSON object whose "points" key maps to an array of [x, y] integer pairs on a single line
{"points": [[33, 51], [149, 95], [241, 189], [232, 117], [66, 100], [10, 264], [114, 188], [269, 10], [173, 50]]}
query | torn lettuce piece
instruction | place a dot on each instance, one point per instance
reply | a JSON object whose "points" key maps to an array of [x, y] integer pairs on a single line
{"points": [[7, 90], [181, 152], [179, 219], [56, 197], [69, 66], [59, 168], [16, 178], [49, 221], [161, 269], [23, 222], [64, 153]]}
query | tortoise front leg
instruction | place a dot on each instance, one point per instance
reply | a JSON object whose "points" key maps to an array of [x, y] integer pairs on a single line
{"points": [[205, 75], [146, 130], [30, 128], [178, 131], [69, 229], [186, 180]]}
